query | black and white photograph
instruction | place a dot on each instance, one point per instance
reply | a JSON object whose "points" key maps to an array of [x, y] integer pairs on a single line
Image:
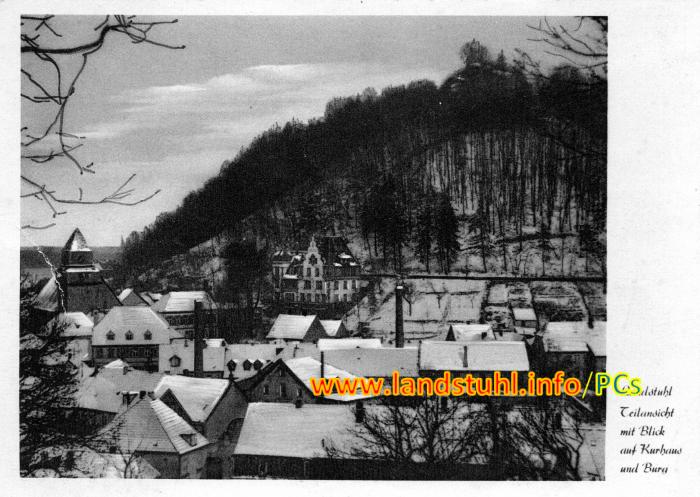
{"points": [[330, 246]]}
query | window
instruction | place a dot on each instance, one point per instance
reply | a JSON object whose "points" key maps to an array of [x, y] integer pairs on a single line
{"points": [[175, 362], [307, 284], [98, 353], [335, 285], [147, 335], [308, 271], [257, 364], [111, 352], [299, 392], [354, 284], [129, 335], [318, 298], [283, 390], [247, 365], [313, 260], [110, 335], [319, 285], [318, 272], [266, 389], [345, 284], [345, 297]]}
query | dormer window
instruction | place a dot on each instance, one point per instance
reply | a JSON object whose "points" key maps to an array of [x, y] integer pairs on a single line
{"points": [[247, 364], [257, 364], [313, 260], [175, 362], [190, 438], [231, 365], [110, 335], [129, 335], [147, 335]]}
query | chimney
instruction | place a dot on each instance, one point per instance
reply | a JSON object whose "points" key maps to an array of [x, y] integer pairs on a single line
{"points": [[323, 365], [398, 337], [466, 365], [125, 369], [483, 335], [359, 412], [142, 394], [299, 403], [198, 341]]}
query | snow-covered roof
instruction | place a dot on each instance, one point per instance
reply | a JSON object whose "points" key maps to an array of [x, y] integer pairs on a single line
{"points": [[472, 332], [198, 396], [151, 426], [497, 356], [597, 344], [574, 327], [524, 314], [305, 368], [480, 356], [577, 331], [375, 362], [331, 326], [348, 343], [184, 301], [136, 319], [102, 391], [281, 429], [77, 324], [291, 327]]}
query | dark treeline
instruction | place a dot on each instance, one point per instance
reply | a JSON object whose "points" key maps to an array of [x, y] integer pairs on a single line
{"points": [[497, 147]]}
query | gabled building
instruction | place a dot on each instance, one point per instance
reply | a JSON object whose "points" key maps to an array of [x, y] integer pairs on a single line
{"points": [[78, 285], [152, 430], [132, 333], [293, 328], [327, 273], [177, 308], [177, 357], [335, 328], [129, 296]]}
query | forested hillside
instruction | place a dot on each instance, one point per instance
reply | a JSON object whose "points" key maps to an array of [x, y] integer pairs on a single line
{"points": [[493, 158]]}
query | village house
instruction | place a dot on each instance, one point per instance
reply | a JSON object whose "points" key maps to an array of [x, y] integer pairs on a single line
{"points": [[292, 328], [575, 347], [178, 309], [177, 357], [107, 391], [77, 286], [292, 441], [525, 320], [481, 358], [281, 260], [215, 408], [289, 381], [327, 273], [375, 362], [152, 430], [132, 333], [77, 332]]}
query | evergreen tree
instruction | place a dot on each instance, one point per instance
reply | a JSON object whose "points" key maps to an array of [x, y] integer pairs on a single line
{"points": [[424, 230], [446, 231]]}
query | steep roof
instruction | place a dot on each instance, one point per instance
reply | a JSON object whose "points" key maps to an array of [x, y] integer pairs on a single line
{"points": [[281, 429], [334, 250], [76, 243], [151, 426], [198, 396], [138, 320], [332, 326], [375, 362], [291, 327], [129, 296], [184, 301], [47, 299], [305, 368]]}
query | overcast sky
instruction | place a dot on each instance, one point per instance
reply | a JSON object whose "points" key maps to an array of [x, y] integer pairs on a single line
{"points": [[173, 116]]}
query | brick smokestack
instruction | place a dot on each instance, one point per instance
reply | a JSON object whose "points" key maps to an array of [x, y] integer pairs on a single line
{"points": [[398, 337], [198, 340]]}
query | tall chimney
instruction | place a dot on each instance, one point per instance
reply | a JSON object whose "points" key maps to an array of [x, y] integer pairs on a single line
{"points": [[323, 365], [198, 341], [398, 337]]}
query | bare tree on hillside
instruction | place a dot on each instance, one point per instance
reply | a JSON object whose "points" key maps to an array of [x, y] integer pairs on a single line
{"points": [[53, 60]]}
